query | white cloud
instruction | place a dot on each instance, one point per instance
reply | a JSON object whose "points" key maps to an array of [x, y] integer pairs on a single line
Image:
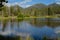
{"points": [[58, 3], [27, 6], [22, 4], [9, 4], [25, 1], [16, 3]]}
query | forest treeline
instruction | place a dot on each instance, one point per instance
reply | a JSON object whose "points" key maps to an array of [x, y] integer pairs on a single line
{"points": [[34, 10]]}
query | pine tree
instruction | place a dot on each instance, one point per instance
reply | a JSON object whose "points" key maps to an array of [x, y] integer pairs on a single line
{"points": [[1, 3]]}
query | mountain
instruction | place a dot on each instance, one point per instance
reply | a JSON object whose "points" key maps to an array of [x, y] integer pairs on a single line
{"points": [[36, 10], [42, 9], [39, 6], [54, 4]]}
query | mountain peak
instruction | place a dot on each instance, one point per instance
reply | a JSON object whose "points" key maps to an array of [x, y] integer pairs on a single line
{"points": [[54, 4], [40, 5]]}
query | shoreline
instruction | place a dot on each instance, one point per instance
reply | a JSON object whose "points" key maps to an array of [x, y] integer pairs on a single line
{"points": [[15, 17]]}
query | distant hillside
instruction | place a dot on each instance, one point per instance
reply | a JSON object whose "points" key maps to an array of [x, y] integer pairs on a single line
{"points": [[54, 8], [42, 9], [54, 4], [34, 10], [39, 6]]}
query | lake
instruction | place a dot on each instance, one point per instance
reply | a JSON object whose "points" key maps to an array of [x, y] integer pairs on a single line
{"points": [[37, 28]]}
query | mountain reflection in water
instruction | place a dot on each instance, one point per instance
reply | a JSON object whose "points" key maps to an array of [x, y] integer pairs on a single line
{"points": [[30, 27]]}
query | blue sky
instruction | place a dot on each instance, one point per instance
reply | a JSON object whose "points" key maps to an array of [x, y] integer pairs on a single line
{"points": [[27, 3]]}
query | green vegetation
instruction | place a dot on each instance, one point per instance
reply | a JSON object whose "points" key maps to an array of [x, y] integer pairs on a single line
{"points": [[58, 38], [1, 4], [35, 11]]}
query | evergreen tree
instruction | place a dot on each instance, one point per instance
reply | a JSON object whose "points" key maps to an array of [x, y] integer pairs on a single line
{"points": [[1, 3]]}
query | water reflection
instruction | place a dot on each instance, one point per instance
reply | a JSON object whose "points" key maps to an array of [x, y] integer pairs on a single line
{"points": [[51, 22], [37, 27]]}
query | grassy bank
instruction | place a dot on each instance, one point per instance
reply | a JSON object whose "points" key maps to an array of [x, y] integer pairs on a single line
{"points": [[15, 17], [58, 38]]}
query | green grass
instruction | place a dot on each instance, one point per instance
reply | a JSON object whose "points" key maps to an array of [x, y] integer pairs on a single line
{"points": [[58, 38], [15, 17]]}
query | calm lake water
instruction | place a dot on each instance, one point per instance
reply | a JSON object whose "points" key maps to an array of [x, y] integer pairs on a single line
{"points": [[37, 27]]}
